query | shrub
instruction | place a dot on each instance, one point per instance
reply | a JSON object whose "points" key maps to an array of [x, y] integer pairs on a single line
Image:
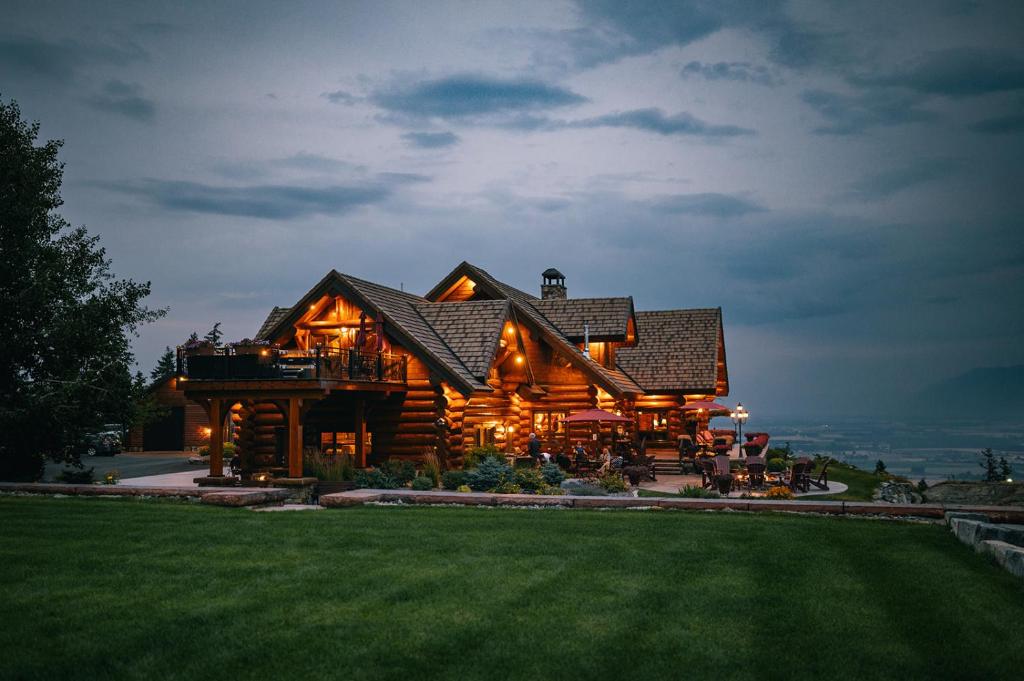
{"points": [[400, 470], [463, 488], [784, 453], [111, 478], [422, 483], [611, 482], [776, 465], [432, 467], [229, 450], [475, 455], [73, 476], [452, 480], [922, 486], [508, 487], [553, 475], [328, 467], [552, 491], [697, 492], [375, 478], [779, 492], [530, 479], [488, 474]]}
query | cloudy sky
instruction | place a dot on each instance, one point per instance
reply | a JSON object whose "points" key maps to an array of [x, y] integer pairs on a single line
{"points": [[843, 178]]}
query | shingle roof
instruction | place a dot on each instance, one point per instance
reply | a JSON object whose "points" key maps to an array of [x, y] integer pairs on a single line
{"points": [[471, 329], [676, 350], [608, 317], [400, 307], [525, 304], [273, 319]]}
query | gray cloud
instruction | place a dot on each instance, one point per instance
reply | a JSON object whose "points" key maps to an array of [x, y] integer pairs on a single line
{"points": [[853, 114], [341, 97], [739, 71], [655, 120], [1000, 125], [886, 183], [61, 61], [317, 163], [431, 140], [270, 202], [708, 204], [961, 72], [472, 95], [124, 99]]}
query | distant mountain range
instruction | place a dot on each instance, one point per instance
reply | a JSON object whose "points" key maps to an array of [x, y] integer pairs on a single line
{"points": [[985, 392]]}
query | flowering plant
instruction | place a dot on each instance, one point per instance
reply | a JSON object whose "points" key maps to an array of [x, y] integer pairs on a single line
{"points": [[779, 492]]}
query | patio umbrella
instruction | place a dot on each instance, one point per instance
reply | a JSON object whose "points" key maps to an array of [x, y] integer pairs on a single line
{"points": [[595, 416], [709, 407]]}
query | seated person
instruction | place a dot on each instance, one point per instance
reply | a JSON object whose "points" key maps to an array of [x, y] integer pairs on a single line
{"points": [[563, 461]]}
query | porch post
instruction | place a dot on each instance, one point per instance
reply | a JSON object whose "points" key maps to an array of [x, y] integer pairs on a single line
{"points": [[361, 433], [294, 439], [216, 438]]}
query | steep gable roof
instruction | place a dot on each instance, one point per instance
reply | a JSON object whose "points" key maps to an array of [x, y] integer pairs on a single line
{"points": [[608, 317], [677, 350], [471, 329], [401, 319], [272, 320], [612, 380]]}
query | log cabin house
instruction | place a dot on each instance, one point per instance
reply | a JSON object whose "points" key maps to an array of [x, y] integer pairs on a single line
{"points": [[379, 373]]}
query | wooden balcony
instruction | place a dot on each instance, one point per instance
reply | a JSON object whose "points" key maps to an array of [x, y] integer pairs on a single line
{"points": [[256, 363]]}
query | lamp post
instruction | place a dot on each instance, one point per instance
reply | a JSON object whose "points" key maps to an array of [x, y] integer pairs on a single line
{"points": [[739, 417]]}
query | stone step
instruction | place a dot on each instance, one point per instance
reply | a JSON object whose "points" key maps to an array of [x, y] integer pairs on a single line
{"points": [[1009, 556], [973, 532], [246, 497]]}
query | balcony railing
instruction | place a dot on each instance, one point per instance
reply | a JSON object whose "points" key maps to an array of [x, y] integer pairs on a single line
{"points": [[268, 363]]}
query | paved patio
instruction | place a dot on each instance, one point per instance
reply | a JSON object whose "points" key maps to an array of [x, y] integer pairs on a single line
{"points": [[673, 483], [182, 479]]}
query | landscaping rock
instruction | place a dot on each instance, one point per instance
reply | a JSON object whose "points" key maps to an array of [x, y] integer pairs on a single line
{"points": [[246, 497], [963, 515], [977, 493], [973, 532], [891, 492], [1009, 556]]}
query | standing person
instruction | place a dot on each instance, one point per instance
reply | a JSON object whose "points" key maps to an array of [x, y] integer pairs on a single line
{"points": [[533, 448]]}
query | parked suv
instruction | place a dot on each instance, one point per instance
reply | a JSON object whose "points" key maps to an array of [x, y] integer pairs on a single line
{"points": [[105, 443]]}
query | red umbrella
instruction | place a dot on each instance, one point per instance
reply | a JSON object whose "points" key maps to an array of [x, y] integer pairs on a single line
{"points": [[705, 406], [595, 415]]}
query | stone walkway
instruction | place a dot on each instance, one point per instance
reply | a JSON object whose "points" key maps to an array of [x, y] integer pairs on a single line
{"points": [[182, 479], [673, 483]]}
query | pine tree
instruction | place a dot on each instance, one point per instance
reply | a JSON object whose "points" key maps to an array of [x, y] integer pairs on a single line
{"points": [[214, 335], [1005, 470], [988, 462], [165, 367], [193, 338], [879, 467]]}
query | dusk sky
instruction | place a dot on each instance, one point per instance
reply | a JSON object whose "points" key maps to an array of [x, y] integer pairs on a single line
{"points": [[843, 178]]}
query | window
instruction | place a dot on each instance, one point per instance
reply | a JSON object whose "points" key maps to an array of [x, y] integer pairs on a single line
{"points": [[652, 424], [341, 443], [549, 424]]}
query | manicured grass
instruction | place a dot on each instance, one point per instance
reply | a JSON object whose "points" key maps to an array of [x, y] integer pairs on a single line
{"points": [[133, 589], [861, 483]]}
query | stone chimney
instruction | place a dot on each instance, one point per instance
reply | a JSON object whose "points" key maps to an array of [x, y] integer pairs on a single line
{"points": [[554, 285]]}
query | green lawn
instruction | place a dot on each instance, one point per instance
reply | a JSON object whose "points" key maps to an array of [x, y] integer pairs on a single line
{"points": [[97, 589], [861, 483]]}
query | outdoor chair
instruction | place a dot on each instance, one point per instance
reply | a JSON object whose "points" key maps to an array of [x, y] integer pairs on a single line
{"points": [[755, 472], [723, 474], [798, 475], [707, 471], [821, 479]]}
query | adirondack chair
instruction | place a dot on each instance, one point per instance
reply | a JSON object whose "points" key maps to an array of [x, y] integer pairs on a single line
{"points": [[821, 479], [798, 475], [755, 471], [723, 476], [707, 471]]}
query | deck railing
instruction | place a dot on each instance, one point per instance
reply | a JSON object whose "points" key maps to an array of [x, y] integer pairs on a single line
{"points": [[268, 363]]}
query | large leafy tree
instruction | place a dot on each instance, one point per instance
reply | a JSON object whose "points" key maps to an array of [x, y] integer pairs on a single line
{"points": [[66, 324]]}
